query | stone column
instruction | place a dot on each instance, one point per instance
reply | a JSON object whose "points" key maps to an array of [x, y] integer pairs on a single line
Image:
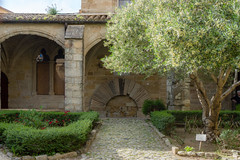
{"points": [[74, 68], [186, 94], [51, 78]]}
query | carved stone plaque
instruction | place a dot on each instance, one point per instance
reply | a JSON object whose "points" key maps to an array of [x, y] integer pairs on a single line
{"points": [[74, 32]]}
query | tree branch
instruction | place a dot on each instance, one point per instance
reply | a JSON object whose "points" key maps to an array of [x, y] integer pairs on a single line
{"points": [[214, 78], [229, 90], [200, 88], [226, 75], [221, 73]]}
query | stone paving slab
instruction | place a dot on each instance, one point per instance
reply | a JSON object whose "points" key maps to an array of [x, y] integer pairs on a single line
{"points": [[128, 139]]}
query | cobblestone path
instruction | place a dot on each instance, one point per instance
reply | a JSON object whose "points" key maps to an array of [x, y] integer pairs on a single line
{"points": [[127, 139]]}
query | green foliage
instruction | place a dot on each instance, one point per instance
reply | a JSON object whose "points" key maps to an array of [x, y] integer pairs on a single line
{"points": [[227, 118], [152, 105], [163, 121], [23, 139], [32, 118], [8, 115], [238, 107], [3, 127], [181, 116], [229, 139], [151, 36], [52, 10], [63, 118], [93, 116], [188, 149]]}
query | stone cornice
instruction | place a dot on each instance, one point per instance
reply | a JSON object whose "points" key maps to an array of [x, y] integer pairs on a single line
{"points": [[59, 18]]}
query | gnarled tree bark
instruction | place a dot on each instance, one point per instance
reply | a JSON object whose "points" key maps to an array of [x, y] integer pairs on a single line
{"points": [[211, 108]]}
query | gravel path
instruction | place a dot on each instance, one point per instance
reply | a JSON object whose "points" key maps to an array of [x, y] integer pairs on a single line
{"points": [[128, 139], [3, 156]]}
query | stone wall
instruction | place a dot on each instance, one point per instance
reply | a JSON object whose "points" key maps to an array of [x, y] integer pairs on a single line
{"points": [[96, 76], [94, 6]]}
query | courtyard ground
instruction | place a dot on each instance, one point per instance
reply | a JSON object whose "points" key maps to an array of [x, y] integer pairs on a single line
{"points": [[129, 139]]}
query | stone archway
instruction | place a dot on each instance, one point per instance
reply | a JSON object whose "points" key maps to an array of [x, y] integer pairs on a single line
{"points": [[121, 89], [121, 106]]}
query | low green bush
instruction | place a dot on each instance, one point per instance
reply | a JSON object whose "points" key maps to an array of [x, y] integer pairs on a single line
{"points": [[163, 121], [23, 140], [30, 140], [33, 117], [153, 105], [229, 139], [181, 116], [8, 115], [238, 107], [224, 116]]}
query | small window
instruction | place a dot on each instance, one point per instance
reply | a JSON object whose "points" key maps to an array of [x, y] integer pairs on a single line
{"points": [[123, 3]]}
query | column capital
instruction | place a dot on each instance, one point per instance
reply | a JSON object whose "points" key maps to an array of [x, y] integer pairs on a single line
{"points": [[74, 32]]}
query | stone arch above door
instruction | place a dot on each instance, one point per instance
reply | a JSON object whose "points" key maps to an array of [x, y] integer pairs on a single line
{"points": [[118, 87]]}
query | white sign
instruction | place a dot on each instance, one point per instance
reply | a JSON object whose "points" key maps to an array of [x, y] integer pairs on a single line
{"points": [[201, 137]]}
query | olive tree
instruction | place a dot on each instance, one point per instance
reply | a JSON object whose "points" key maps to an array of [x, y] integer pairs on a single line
{"points": [[181, 36]]}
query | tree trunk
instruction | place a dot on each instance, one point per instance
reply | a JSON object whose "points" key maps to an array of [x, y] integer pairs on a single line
{"points": [[211, 122]]}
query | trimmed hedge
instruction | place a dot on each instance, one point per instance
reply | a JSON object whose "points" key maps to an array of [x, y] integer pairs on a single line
{"points": [[24, 140], [8, 115], [163, 121], [224, 115], [152, 105], [11, 115]]}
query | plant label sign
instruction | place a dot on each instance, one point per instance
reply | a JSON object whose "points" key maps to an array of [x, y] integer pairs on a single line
{"points": [[201, 137]]}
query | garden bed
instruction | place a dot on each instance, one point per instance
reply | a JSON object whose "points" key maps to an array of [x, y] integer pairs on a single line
{"points": [[64, 132]]}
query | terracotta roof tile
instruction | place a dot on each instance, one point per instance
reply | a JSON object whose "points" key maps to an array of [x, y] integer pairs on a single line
{"points": [[59, 18]]}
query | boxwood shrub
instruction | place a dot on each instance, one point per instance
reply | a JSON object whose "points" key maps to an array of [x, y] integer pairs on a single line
{"points": [[153, 105], [180, 116], [23, 140], [163, 121]]}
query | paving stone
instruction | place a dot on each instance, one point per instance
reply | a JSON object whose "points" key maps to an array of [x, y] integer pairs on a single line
{"points": [[42, 157], [28, 158], [9, 154]]}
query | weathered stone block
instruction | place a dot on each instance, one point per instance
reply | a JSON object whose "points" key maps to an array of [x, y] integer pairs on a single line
{"points": [[28, 158], [68, 57], [182, 153], [78, 44], [42, 157], [74, 32], [210, 155], [200, 154], [193, 154], [69, 155], [175, 150]]}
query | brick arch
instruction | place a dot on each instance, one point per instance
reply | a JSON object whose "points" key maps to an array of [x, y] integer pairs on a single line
{"points": [[118, 87], [40, 33]]}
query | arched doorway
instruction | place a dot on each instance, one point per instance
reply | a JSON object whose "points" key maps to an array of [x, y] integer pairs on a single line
{"points": [[119, 98], [121, 106], [4, 91]]}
